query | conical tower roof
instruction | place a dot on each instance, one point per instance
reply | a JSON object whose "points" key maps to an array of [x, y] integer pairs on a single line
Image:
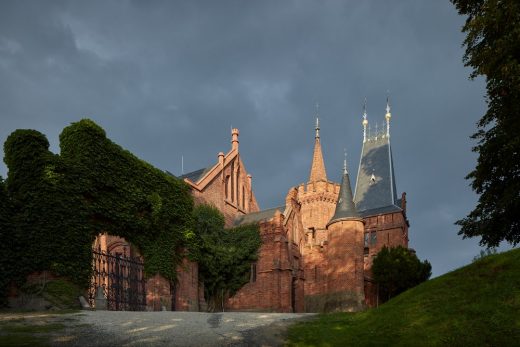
{"points": [[318, 172], [345, 208]]}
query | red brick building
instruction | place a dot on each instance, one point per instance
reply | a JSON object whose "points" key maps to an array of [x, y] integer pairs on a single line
{"points": [[317, 249]]}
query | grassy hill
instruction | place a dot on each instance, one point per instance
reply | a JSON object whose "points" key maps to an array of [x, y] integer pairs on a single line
{"points": [[477, 305]]}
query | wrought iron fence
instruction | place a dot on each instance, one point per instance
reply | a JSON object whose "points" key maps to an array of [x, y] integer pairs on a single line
{"points": [[121, 279]]}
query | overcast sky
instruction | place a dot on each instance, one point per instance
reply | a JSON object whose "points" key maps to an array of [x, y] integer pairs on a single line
{"points": [[167, 79]]}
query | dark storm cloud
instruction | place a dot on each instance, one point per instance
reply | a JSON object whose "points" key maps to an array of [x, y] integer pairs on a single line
{"points": [[169, 79]]}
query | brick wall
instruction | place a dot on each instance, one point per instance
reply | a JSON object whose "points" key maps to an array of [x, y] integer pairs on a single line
{"points": [[278, 285]]}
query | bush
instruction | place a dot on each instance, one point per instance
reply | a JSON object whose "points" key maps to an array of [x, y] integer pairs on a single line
{"points": [[398, 269]]}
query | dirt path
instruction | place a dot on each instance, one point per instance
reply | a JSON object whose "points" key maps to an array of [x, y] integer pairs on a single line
{"points": [[110, 328]]}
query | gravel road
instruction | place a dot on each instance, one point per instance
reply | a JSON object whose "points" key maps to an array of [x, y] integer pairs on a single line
{"points": [[118, 328]]}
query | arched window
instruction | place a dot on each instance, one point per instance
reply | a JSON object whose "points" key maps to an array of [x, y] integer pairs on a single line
{"points": [[228, 179], [233, 178]]}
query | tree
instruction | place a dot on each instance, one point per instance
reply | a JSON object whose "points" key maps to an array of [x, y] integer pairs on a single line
{"points": [[493, 51], [224, 255], [398, 269]]}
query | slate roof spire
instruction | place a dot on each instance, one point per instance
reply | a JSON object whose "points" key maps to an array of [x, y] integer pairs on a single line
{"points": [[375, 185], [318, 172], [345, 208]]}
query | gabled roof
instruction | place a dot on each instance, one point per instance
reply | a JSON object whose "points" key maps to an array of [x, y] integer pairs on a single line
{"points": [[196, 175], [375, 184], [258, 216]]}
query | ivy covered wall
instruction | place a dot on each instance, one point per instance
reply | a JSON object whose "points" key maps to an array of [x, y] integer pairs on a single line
{"points": [[53, 206], [61, 202]]}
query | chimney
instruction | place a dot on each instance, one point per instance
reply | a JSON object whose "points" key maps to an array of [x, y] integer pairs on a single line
{"points": [[234, 138]]}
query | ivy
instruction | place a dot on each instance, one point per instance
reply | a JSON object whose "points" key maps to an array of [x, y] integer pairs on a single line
{"points": [[6, 258], [62, 202], [224, 255], [52, 207]]}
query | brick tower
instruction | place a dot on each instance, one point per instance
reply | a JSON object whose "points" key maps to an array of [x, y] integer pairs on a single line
{"points": [[345, 253], [318, 197]]}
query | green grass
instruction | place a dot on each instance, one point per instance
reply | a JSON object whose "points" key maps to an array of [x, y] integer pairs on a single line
{"points": [[21, 332], [477, 305]]}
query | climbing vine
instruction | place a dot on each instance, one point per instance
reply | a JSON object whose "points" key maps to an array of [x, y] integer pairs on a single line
{"points": [[224, 255], [62, 202]]}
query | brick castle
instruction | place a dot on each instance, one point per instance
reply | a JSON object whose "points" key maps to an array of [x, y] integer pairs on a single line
{"points": [[316, 250]]}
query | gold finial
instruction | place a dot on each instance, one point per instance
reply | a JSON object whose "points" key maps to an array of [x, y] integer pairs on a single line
{"points": [[365, 121], [388, 115], [345, 161]]}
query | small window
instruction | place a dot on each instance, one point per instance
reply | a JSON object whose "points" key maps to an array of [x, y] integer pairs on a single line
{"points": [[366, 239], [253, 272]]}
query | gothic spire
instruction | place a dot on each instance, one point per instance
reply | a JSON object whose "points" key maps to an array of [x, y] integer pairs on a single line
{"points": [[345, 208], [318, 172]]}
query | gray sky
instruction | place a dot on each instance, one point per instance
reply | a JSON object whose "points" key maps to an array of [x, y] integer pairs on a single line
{"points": [[167, 79]]}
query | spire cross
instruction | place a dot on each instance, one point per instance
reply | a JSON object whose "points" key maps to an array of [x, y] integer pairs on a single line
{"points": [[317, 121]]}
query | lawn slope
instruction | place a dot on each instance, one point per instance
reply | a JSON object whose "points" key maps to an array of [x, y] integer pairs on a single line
{"points": [[477, 305]]}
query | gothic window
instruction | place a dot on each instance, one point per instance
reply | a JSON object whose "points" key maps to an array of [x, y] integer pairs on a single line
{"points": [[237, 180], [243, 197], [366, 239], [373, 238], [233, 178], [228, 179], [253, 272]]}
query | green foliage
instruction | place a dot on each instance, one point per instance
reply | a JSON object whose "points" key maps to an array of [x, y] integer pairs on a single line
{"points": [[476, 305], [493, 51], [61, 203], [62, 293], [484, 253], [224, 255], [6, 253], [128, 197], [48, 231], [397, 269]]}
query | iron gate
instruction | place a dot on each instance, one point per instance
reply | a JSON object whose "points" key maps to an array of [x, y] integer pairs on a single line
{"points": [[121, 279]]}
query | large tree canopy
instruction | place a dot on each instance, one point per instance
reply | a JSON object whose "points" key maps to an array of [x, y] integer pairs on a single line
{"points": [[493, 51]]}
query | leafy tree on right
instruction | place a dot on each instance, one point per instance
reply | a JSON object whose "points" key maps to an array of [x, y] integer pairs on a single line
{"points": [[493, 51], [397, 269]]}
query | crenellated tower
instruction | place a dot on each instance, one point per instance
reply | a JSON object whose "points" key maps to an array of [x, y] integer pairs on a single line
{"points": [[318, 196]]}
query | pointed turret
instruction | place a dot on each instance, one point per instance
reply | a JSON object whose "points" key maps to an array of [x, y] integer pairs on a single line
{"points": [[318, 172], [345, 208]]}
